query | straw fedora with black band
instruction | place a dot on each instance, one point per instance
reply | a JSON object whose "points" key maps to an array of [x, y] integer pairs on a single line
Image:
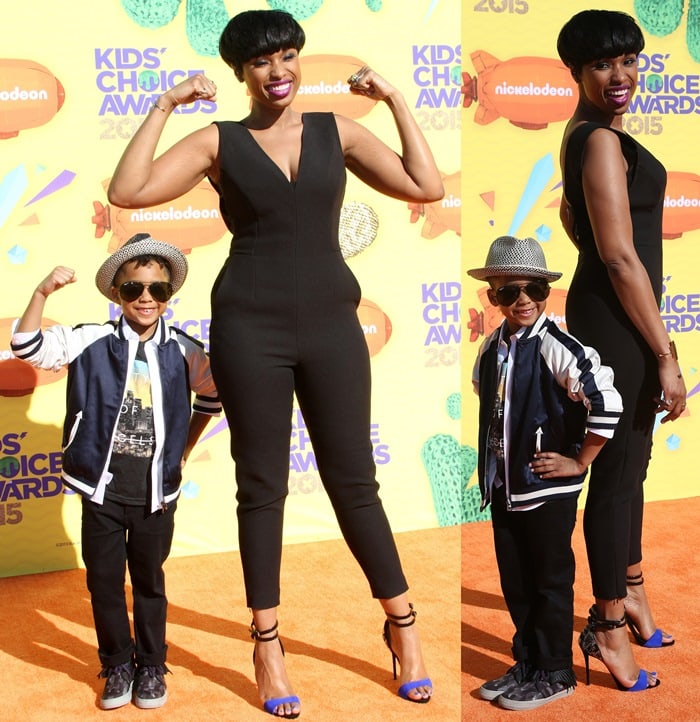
{"points": [[510, 256], [142, 245]]}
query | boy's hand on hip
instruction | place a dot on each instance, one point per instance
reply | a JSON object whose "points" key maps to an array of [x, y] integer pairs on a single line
{"points": [[550, 465]]}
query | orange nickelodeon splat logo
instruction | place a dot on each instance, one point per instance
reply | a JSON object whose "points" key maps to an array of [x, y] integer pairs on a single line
{"points": [[191, 220], [324, 86], [443, 215], [681, 204], [376, 325], [530, 92], [18, 378], [482, 323], [30, 96]]}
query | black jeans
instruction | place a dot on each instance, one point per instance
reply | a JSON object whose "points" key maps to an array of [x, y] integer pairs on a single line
{"points": [[114, 536], [536, 566]]}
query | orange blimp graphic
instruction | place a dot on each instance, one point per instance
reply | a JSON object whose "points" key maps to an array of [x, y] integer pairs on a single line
{"points": [[443, 215], [375, 324], [191, 220], [482, 323], [681, 204], [324, 86], [530, 92], [18, 378], [30, 95]]}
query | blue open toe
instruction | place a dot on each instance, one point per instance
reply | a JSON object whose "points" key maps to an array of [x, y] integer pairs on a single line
{"points": [[271, 706], [404, 689]]}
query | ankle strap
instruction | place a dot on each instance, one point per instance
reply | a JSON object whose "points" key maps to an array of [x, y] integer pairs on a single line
{"points": [[598, 623], [635, 581], [398, 621], [258, 635]]}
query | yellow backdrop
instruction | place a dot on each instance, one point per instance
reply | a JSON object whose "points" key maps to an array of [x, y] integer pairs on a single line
{"points": [[74, 86], [517, 97]]}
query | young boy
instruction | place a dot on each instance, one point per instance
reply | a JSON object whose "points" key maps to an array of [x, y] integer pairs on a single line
{"points": [[535, 444], [127, 432]]}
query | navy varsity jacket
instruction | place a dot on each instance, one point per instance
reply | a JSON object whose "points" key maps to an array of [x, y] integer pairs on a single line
{"points": [[99, 358], [556, 389]]}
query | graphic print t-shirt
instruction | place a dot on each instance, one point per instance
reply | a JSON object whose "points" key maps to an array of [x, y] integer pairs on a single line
{"points": [[134, 441], [496, 430]]}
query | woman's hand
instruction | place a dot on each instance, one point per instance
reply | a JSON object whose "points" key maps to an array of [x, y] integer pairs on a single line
{"points": [[550, 465], [196, 87], [370, 84], [673, 390]]}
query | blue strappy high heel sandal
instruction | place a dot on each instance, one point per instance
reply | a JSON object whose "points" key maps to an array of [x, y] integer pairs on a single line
{"points": [[657, 638], [270, 705], [404, 689], [589, 647]]}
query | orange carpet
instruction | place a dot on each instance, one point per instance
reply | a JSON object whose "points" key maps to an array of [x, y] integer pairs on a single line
{"points": [[671, 541], [331, 629]]}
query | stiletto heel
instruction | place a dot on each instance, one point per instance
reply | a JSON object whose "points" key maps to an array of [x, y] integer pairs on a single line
{"points": [[589, 647], [406, 620], [657, 638], [270, 705], [588, 671]]}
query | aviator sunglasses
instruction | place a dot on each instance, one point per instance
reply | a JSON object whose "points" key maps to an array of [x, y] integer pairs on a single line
{"points": [[508, 295], [160, 291]]}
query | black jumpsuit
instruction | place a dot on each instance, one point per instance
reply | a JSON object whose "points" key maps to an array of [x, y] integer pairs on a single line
{"points": [[284, 321], [614, 504]]}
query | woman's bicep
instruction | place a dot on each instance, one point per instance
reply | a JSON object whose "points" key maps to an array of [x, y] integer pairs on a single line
{"points": [[173, 173], [374, 162]]}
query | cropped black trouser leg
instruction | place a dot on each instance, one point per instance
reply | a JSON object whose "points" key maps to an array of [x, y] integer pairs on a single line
{"points": [[613, 515], [330, 373]]}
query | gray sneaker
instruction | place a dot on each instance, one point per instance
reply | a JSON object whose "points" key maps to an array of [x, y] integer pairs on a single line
{"points": [[150, 689], [518, 674], [544, 687], [119, 681]]}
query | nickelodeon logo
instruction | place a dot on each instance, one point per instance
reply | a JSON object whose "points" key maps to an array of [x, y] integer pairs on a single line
{"points": [[30, 95], [324, 86], [681, 204], [192, 220], [530, 92]]}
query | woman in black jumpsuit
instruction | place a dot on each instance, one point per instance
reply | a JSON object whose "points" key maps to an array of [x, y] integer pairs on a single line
{"points": [[284, 318], [612, 211]]}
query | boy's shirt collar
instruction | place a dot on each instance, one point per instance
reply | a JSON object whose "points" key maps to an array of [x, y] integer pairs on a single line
{"points": [[128, 333]]}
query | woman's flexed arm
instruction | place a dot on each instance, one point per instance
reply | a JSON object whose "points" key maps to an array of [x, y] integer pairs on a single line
{"points": [[411, 175], [140, 180]]}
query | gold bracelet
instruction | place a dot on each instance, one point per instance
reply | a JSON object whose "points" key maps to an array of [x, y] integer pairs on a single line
{"points": [[155, 105], [671, 351]]}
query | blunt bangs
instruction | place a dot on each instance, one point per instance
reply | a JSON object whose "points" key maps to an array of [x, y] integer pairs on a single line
{"points": [[258, 32], [593, 34]]}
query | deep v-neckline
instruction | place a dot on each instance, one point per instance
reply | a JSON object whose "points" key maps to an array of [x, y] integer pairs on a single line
{"points": [[283, 175]]}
